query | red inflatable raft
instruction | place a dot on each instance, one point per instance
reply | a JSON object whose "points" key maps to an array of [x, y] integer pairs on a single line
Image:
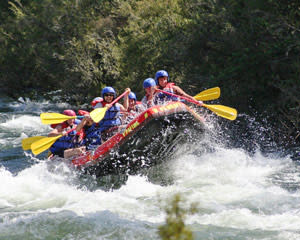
{"points": [[148, 139]]}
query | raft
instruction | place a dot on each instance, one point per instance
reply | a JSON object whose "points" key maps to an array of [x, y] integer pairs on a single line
{"points": [[150, 138]]}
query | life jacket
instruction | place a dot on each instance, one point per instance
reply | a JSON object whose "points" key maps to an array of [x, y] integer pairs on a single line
{"points": [[83, 112], [92, 137], [111, 118], [82, 133], [96, 101], [63, 143], [166, 97], [65, 124]]}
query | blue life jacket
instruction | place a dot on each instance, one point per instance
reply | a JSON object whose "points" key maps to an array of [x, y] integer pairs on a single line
{"points": [[92, 137], [63, 143], [111, 118]]}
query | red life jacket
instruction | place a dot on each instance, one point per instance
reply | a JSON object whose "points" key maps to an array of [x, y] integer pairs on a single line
{"points": [[96, 101], [83, 112], [63, 125], [103, 103], [169, 87]]}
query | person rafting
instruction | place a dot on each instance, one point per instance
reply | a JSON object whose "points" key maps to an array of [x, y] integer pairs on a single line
{"points": [[163, 83], [133, 104], [69, 138], [89, 132], [133, 107], [88, 136], [150, 98], [112, 119], [64, 126]]}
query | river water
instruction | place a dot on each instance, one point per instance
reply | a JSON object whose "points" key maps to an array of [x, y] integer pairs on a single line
{"points": [[240, 195]]}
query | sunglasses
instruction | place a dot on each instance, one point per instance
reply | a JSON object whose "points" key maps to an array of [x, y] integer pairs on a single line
{"points": [[109, 95]]}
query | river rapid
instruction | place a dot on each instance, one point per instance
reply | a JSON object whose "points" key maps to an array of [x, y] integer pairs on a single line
{"points": [[240, 194]]}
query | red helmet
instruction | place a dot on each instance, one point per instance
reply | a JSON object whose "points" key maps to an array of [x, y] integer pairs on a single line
{"points": [[69, 112]]}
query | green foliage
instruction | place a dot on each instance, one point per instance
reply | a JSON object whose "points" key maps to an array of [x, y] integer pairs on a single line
{"points": [[90, 64], [52, 45], [248, 48], [175, 228], [150, 40]]}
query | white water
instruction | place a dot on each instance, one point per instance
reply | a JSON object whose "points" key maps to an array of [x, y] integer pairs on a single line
{"points": [[232, 190], [239, 196]]}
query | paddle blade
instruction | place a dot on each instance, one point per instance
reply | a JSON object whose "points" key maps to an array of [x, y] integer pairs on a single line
{"points": [[223, 111], [54, 118], [26, 142], [98, 114], [208, 94], [43, 144]]}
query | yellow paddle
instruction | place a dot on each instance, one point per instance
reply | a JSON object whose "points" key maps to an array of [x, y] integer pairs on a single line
{"points": [[54, 118], [45, 143], [208, 94], [98, 114], [26, 142], [220, 110]]}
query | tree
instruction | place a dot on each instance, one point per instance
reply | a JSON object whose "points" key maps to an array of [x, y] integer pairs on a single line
{"points": [[175, 228]]}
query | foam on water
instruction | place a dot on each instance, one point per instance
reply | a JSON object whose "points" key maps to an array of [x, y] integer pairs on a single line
{"points": [[27, 105], [37, 188], [237, 191], [16, 128], [232, 189], [23, 122]]}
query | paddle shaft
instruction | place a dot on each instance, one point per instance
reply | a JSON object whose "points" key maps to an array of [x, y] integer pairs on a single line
{"points": [[61, 135], [70, 130], [182, 97], [118, 98], [98, 114], [220, 110]]}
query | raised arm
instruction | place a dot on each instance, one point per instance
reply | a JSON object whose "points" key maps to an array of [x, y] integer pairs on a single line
{"points": [[82, 123], [126, 100]]}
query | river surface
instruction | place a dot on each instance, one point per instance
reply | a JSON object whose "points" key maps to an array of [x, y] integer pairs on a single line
{"points": [[240, 194]]}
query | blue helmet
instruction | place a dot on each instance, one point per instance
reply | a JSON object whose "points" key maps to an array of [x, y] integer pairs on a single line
{"points": [[132, 95], [108, 90], [161, 73], [149, 82]]}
